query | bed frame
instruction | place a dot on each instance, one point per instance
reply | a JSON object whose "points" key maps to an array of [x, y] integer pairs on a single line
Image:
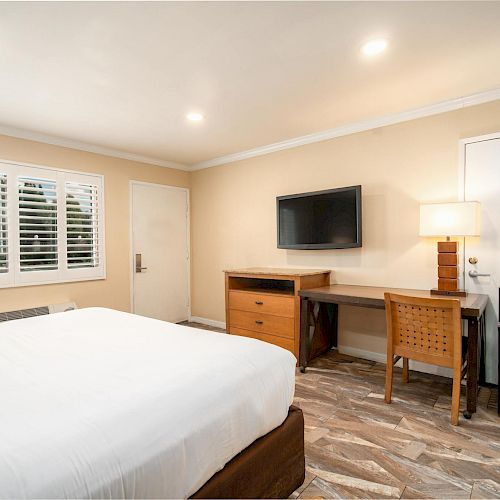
{"points": [[273, 466]]}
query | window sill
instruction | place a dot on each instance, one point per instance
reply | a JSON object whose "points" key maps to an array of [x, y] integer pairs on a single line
{"points": [[54, 282]]}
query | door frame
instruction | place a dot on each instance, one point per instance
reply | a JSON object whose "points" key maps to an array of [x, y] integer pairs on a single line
{"points": [[462, 144], [133, 183]]}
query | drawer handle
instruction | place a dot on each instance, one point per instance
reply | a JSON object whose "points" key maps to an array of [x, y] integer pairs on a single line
{"points": [[259, 302], [259, 321]]}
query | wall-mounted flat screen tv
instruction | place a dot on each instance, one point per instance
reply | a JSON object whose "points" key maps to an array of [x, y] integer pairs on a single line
{"points": [[320, 220]]}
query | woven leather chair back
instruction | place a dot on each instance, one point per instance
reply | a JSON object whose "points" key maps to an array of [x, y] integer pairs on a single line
{"points": [[428, 330]]}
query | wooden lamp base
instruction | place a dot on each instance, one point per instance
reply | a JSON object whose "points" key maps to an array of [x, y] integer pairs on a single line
{"points": [[448, 270]]}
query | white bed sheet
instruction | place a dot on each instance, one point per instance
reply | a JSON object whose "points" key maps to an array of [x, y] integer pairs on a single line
{"points": [[97, 403]]}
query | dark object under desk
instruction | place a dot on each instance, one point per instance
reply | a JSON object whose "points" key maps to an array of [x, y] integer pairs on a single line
{"points": [[319, 318], [498, 372], [498, 359]]}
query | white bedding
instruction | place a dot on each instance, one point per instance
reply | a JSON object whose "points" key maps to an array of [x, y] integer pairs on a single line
{"points": [[96, 403]]}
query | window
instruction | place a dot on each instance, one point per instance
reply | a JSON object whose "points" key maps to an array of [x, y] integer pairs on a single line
{"points": [[82, 225], [51, 225], [4, 241], [37, 224]]}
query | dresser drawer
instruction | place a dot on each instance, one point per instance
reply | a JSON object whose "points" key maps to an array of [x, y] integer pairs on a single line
{"points": [[262, 303], [265, 323], [272, 339]]}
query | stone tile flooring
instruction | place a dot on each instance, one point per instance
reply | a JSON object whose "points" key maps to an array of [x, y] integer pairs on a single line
{"points": [[357, 446]]}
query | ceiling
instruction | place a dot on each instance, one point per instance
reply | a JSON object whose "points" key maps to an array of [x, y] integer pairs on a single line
{"points": [[123, 75]]}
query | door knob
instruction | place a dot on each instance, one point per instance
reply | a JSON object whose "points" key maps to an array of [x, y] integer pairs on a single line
{"points": [[138, 263], [474, 274]]}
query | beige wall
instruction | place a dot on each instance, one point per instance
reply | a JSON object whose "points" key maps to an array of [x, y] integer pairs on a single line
{"points": [[114, 291], [234, 214]]}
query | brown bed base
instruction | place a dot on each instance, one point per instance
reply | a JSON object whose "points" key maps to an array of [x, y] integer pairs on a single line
{"points": [[273, 466]]}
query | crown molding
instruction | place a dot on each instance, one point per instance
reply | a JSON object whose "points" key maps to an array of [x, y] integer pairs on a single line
{"points": [[353, 128], [90, 148]]}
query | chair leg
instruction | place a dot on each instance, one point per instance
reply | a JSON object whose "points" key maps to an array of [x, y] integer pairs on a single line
{"points": [[455, 398], [406, 370], [388, 378]]}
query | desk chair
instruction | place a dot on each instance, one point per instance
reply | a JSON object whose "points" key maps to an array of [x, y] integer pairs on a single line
{"points": [[426, 330]]}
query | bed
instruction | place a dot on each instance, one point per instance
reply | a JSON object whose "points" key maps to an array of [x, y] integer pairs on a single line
{"points": [[98, 403]]}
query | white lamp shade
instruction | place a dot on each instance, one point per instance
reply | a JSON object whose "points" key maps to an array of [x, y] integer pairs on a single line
{"points": [[450, 219]]}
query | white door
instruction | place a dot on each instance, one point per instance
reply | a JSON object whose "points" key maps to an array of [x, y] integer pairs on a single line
{"points": [[481, 182], [160, 251]]}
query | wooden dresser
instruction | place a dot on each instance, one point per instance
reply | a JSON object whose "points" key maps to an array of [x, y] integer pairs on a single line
{"points": [[264, 303]]}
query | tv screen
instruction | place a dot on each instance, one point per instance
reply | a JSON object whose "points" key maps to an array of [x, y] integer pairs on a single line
{"points": [[320, 220]]}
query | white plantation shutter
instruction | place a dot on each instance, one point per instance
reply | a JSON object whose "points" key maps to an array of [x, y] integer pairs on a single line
{"points": [[38, 232], [4, 235], [51, 225], [82, 225]]}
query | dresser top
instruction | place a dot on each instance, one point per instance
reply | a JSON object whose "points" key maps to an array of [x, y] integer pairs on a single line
{"points": [[277, 271]]}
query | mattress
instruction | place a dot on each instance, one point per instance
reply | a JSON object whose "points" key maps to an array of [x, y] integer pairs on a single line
{"points": [[97, 403]]}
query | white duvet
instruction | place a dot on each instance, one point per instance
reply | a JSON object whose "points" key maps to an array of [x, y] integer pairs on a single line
{"points": [[96, 403]]}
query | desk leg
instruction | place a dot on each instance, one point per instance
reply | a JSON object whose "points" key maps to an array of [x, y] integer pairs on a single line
{"points": [[472, 345], [304, 333], [335, 326], [482, 350]]}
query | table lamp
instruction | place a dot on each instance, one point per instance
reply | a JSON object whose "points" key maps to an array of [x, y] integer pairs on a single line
{"points": [[449, 219]]}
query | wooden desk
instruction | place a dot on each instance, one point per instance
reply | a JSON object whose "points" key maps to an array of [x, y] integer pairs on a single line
{"points": [[324, 323]]}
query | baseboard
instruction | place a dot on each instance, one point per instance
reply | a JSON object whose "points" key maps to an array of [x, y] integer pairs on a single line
{"points": [[208, 322], [381, 358]]}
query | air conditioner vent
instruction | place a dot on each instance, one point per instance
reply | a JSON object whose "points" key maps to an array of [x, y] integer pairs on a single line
{"points": [[24, 313], [36, 311]]}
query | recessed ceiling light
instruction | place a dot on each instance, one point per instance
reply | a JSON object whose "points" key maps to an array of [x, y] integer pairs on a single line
{"points": [[194, 117], [374, 47]]}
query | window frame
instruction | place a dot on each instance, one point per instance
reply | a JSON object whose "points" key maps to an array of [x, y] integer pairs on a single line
{"points": [[4, 276], [14, 277]]}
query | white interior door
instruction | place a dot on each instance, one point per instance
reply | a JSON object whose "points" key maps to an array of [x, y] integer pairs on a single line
{"points": [[482, 183], [160, 251]]}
